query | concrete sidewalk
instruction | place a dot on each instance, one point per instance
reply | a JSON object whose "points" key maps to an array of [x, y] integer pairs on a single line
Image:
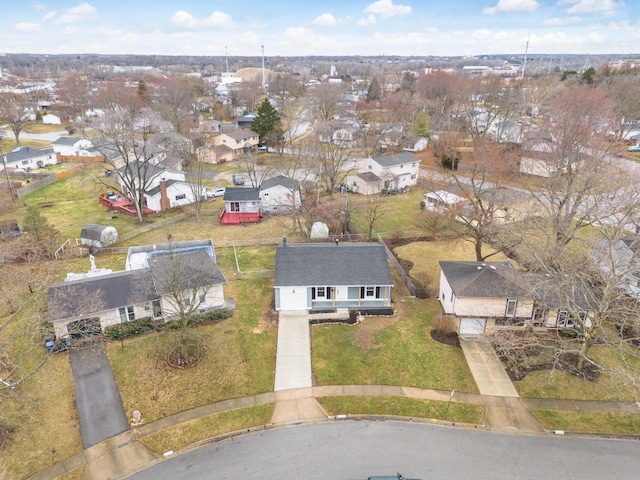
{"points": [[293, 352]]}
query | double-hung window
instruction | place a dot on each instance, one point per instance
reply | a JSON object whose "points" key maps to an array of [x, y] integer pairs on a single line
{"points": [[126, 314], [511, 307]]}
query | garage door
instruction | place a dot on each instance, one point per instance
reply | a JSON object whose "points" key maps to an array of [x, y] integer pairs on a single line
{"points": [[86, 328], [293, 298], [472, 326]]}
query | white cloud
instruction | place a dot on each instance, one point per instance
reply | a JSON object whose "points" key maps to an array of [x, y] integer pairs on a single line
{"points": [[328, 20], [49, 16], [370, 20], [38, 6], [591, 6], [560, 21], [507, 6], [386, 9], [217, 19], [81, 12], [28, 27]]}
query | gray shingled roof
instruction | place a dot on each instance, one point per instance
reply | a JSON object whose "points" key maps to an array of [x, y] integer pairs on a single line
{"points": [[501, 280], [97, 294], [391, 159], [241, 195], [155, 190], [309, 264], [369, 177], [280, 180], [67, 141], [186, 270], [26, 153], [488, 279]]}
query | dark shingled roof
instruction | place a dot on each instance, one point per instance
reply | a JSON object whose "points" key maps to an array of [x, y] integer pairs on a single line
{"points": [[307, 264], [369, 177], [488, 279], [280, 180], [193, 269], [156, 190], [97, 294], [241, 195], [392, 159], [501, 280]]}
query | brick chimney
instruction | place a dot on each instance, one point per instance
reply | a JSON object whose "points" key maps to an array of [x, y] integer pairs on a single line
{"points": [[165, 204]]}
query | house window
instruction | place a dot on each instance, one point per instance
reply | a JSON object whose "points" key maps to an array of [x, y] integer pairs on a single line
{"points": [[370, 292], [234, 206], [126, 314], [511, 307], [181, 197], [564, 319], [321, 293], [25, 162], [413, 176]]}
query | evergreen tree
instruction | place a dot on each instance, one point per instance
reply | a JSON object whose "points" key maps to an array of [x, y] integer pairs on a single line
{"points": [[37, 225], [374, 93], [267, 124]]}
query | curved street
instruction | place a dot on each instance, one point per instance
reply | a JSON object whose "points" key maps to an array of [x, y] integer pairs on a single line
{"points": [[349, 450]]}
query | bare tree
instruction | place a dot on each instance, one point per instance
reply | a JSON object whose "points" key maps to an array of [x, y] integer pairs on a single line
{"points": [[14, 111], [577, 159], [256, 168], [375, 210], [128, 141], [175, 100], [184, 280], [330, 165], [249, 94]]}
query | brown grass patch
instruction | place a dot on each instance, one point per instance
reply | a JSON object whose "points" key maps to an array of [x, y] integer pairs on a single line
{"points": [[365, 337]]}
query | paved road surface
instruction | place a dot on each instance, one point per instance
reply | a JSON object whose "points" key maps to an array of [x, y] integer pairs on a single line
{"points": [[97, 398], [352, 450]]}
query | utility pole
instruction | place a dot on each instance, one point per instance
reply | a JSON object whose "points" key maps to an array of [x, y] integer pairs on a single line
{"points": [[4, 165], [263, 79], [526, 51]]}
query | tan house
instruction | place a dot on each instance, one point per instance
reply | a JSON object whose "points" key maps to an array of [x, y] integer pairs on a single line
{"points": [[228, 146], [485, 296]]}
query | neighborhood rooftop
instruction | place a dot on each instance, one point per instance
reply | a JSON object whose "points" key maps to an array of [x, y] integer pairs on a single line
{"points": [[342, 264]]}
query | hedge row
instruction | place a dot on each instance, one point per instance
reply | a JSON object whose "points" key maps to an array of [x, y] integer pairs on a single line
{"points": [[129, 329]]}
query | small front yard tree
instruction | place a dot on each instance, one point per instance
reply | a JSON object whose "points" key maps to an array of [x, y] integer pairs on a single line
{"points": [[183, 279]]}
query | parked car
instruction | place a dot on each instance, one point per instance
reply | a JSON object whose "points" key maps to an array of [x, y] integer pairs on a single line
{"points": [[238, 179], [634, 148], [216, 192]]}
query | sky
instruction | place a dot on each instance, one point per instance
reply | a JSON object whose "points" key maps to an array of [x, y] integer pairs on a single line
{"points": [[317, 27]]}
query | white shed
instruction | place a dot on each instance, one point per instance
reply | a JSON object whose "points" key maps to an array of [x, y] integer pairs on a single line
{"points": [[99, 236]]}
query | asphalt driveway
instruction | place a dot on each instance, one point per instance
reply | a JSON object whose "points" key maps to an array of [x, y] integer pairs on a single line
{"points": [[98, 400]]}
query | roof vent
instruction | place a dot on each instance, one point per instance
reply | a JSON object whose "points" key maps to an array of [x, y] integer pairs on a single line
{"points": [[479, 267], [492, 267]]}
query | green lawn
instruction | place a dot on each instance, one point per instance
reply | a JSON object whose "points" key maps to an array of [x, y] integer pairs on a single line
{"points": [[210, 426], [405, 407], [402, 213], [398, 351], [589, 422], [613, 384], [239, 359]]}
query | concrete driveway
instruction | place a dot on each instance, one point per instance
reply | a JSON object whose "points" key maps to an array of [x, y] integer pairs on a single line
{"points": [[98, 400], [293, 356]]}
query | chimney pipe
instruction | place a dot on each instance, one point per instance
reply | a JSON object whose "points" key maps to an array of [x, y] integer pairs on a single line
{"points": [[284, 241]]}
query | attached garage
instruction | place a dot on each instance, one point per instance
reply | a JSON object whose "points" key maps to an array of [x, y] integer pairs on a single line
{"points": [[293, 298], [85, 328], [472, 325]]}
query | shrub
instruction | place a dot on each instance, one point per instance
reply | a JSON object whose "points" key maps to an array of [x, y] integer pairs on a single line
{"points": [[129, 329], [445, 324]]}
